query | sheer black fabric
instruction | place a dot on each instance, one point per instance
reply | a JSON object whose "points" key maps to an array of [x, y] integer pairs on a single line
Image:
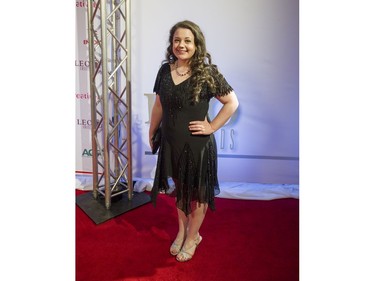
{"points": [[191, 161]]}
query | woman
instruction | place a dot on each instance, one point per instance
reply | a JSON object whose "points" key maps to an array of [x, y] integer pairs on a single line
{"points": [[184, 86]]}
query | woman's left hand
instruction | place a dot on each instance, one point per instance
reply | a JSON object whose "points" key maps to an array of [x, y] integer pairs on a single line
{"points": [[201, 127]]}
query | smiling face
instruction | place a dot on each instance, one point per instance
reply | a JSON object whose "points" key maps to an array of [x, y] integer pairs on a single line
{"points": [[183, 44]]}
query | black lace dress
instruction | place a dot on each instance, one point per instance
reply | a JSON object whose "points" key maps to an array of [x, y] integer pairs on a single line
{"points": [[190, 160]]}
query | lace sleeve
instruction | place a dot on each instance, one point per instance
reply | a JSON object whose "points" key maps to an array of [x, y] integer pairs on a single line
{"points": [[222, 86]]}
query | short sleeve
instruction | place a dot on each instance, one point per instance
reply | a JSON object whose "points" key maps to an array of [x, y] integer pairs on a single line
{"points": [[159, 78], [222, 86]]}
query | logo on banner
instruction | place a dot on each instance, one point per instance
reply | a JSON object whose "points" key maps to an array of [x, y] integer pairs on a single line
{"points": [[86, 124], [87, 152], [86, 41], [85, 64], [96, 42], [84, 4], [82, 96], [82, 64]]}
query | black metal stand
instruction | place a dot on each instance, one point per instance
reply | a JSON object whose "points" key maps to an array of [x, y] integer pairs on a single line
{"points": [[96, 210]]}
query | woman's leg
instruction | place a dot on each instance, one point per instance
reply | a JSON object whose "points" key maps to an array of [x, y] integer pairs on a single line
{"points": [[181, 235], [195, 220], [183, 221]]}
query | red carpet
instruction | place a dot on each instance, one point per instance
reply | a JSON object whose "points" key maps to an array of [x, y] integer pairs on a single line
{"points": [[242, 240]]}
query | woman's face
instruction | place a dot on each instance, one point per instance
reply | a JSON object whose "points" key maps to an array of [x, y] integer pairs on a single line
{"points": [[183, 44]]}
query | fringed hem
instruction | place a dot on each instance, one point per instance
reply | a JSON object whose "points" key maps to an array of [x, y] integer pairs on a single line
{"points": [[196, 182]]}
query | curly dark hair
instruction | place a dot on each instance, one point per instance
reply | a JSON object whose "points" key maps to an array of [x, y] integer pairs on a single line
{"points": [[200, 64]]}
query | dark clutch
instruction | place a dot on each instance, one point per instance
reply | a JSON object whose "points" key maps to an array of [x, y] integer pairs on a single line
{"points": [[156, 140]]}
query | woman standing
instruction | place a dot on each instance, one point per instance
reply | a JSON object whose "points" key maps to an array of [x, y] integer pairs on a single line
{"points": [[184, 86]]}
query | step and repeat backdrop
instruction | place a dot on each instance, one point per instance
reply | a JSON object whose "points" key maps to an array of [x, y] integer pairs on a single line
{"points": [[255, 45]]}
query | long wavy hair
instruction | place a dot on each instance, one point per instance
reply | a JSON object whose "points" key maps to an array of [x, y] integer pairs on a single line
{"points": [[200, 63]]}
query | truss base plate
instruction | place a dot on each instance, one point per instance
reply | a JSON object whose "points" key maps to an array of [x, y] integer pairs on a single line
{"points": [[96, 210]]}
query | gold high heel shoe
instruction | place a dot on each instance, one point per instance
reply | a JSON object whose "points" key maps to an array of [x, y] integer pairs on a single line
{"points": [[187, 254]]}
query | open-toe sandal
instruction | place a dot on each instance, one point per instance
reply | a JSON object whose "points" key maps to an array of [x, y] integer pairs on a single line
{"points": [[187, 254], [176, 247]]}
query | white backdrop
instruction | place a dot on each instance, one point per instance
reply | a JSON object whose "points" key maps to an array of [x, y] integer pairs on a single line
{"points": [[82, 95], [255, 45]]}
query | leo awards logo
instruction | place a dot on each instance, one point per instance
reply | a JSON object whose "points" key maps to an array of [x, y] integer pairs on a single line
{"points": [[85, 65], [82, 64], [86, 124]]}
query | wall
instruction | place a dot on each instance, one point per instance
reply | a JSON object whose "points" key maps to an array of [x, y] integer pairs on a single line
{"points": [[255, 45]]}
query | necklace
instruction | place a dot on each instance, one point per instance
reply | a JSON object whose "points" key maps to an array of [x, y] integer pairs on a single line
{"points": [[181, 74]]}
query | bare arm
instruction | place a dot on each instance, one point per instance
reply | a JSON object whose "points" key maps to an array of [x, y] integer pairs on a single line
{"points": [[156, 115], [230, 105]]}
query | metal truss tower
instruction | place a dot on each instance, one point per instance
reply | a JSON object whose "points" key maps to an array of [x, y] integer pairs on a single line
{"points": [[110, 92]]}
